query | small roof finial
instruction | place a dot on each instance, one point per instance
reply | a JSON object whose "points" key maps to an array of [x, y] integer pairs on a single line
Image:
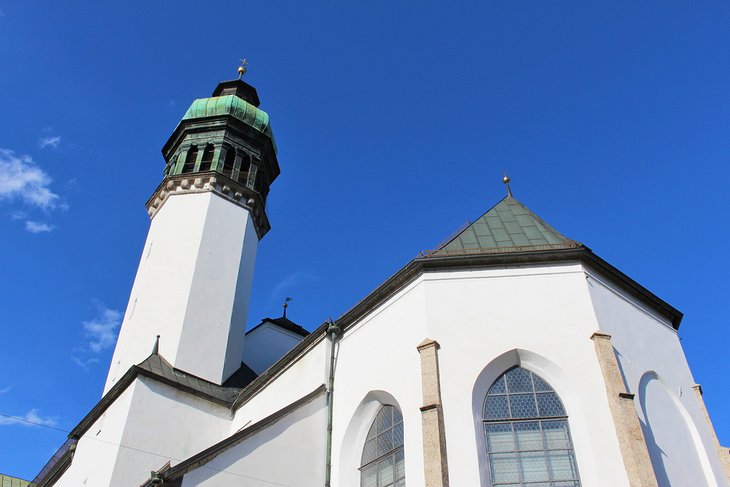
{"points": [[286, 300], [242, 68], [156, 347], [506, 181]]}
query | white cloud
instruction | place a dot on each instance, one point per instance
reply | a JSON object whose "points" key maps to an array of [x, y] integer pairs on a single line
{"points": [[51, 142], [4, 390], [102, 330], [38, 227], [18, 215], [292, 281], [84, 363], [21, 178], [31, 418]]}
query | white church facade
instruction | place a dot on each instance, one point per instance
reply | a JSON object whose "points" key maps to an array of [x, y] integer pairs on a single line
{"points": [[510, 356]]}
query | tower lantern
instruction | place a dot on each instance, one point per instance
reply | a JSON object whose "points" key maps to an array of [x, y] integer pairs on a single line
{"points": [[225, 144]]}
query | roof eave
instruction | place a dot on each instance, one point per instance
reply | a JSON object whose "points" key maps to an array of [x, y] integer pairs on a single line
{"points": [[434, 263]]}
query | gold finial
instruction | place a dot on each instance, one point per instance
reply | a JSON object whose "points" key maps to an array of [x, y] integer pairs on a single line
{"points": [[506, 181], [286, 304], [242, 68]]}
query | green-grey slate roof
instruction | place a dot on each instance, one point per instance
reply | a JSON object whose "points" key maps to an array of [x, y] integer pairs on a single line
{"points": [[508, 227], [8, 481], [234, 106]]}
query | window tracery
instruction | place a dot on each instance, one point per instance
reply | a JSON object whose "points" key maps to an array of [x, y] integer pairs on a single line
{"points": [[527, 433]]}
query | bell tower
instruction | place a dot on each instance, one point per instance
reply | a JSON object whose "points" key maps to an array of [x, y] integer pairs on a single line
{"points": [[207, 216]]}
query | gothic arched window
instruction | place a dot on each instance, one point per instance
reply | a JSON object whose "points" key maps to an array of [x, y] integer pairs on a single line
{"points": [[190, 158], [207, 160], [382, 463], [528, 439]]}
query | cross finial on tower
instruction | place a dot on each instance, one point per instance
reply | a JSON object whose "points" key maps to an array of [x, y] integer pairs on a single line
{"points": [[286, 300], [242, 68], [506, 181]]}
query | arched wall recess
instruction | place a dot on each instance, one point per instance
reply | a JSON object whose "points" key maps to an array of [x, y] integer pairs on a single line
{"points": [[357, 430], [675, 446]]}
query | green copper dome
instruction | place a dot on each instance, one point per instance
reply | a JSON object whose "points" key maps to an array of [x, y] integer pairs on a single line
{"points": [[234, 106]]}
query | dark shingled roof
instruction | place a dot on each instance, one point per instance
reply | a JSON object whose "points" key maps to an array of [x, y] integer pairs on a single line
{"points": [[177, 378], [284, 323], [157, 368]]}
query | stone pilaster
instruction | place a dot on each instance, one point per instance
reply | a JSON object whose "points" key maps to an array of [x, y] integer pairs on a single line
{"points": [[722, 451], [432, 418], [628, 429]]}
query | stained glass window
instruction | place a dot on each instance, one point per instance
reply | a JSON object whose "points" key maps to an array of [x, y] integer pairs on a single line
{"points": [[382, 463], [528, 439]]}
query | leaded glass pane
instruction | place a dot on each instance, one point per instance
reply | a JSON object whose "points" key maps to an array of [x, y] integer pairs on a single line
{"points": [[373, 432], [504, 468], [534, 466], [540, 385], [397, 416], [563, 465], [497, 387], [400, 465], [500, 437], [525, 448], [522, 406], [369, 477], [398, 435], [385, 442], [496, 408], [556, 434], [529, 436], [369, 452], [382, 458], [385, 471], [385, 419], [549, 405], [519, 380]]}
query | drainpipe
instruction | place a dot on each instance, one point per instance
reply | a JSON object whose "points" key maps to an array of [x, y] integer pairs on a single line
{"points": [[333, 332]]}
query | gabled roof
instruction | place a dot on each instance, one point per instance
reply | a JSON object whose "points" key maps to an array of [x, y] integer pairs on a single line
{"points": [[509, 226]]}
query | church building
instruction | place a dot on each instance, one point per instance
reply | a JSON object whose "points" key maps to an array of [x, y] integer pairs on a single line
{"points": [[511, 355]]}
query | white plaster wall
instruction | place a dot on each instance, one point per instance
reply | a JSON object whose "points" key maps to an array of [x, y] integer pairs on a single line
{"points": [[164, 425], [267, 344], [289, 452], [192, 288], [96, 451], [378, 364], [485, 321], [648, 348], [295, 382]]}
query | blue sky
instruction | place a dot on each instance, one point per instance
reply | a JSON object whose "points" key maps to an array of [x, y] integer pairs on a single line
{"points": [[394, 125]]}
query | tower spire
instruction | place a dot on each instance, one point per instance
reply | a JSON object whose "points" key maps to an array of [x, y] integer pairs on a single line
{"points": [[242, 68], [506, 181], [286, 305]]}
